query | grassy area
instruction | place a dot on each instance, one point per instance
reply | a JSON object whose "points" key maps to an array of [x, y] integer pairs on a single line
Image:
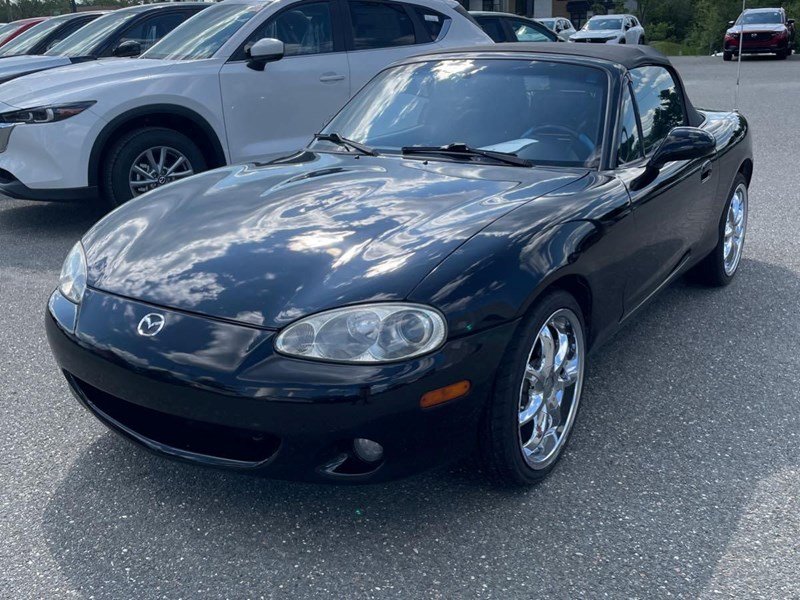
{"points": [[673, 48]]}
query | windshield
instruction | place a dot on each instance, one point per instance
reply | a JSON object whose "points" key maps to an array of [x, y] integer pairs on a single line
{"points": [[7, 29], [27, 41], [84, 42], [761, 17], [549, 23], [549, 113], [205, 33], [601, 24]]}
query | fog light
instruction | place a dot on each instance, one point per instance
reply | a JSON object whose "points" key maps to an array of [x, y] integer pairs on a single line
{"points": [[367, 450]]}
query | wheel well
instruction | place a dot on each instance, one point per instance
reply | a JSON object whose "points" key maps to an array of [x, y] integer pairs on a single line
{"points": [[578, 288], [747, 170], [195, 129]]}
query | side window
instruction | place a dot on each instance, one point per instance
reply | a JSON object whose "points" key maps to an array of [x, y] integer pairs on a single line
{"points": [[660, 104], [494, 29], [149, 31], [380, 25], [432, 21], [630, 142], [67, 31], [525, 33], [304, 29]]}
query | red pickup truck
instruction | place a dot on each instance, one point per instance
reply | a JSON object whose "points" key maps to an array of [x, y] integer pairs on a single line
{"points": [[764, 31]]}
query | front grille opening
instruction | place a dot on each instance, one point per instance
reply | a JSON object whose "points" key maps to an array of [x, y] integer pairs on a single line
{"points": [[182, 434]]}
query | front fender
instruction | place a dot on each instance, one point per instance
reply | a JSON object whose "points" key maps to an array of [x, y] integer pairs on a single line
{"points": [[492, 280]]}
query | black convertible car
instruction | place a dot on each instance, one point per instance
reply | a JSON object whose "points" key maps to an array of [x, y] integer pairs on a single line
{"points": [[428, 274]]}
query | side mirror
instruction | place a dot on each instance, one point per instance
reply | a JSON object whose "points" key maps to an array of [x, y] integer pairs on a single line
{"points": [[265, 50], [731, 23], [128, 49], [682, 143]]}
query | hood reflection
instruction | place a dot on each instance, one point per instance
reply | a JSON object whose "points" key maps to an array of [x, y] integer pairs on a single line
{"points": [[267, 245]]}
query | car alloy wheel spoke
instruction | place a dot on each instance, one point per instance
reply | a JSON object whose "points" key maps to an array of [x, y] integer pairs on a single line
{"points": [[550, 389], [533, 408], [156, 167], [569, 373]]}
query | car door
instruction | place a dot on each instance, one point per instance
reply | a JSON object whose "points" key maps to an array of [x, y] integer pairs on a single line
{"points": [[277, 110], [566, 29], [672, 211], [631, 33], [379, 33]]}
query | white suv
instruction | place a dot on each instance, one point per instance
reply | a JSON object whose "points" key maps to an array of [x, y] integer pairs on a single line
{"points": [[242, 80], [611, 29]]}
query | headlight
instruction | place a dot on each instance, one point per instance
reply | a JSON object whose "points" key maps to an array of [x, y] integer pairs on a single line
{"points": [[369, 333], [72, 281], [46, 114]]}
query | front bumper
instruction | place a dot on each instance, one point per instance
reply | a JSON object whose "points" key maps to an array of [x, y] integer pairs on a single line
{"points": [[757, 47], [216, 393], [49, 161]]}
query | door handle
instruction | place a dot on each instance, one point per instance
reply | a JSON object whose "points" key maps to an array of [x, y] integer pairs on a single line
{"points": [[330, 77], [705, 172]]}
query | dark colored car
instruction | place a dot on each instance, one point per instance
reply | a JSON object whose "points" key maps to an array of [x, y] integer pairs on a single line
{"points": [[505, 27], [763, 31], [123, 32], [42, 36], [11, 30], [430, 273]]}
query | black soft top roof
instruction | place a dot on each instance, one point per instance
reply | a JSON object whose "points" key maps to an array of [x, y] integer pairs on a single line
{"points": [[629, 57]]}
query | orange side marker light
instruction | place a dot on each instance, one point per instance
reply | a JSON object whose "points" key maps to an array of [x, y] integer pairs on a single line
{"points": [[445, 394]]}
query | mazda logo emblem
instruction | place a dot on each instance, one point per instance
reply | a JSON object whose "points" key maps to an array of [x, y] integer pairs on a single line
{"points": [[150, 325], [753, 35]]}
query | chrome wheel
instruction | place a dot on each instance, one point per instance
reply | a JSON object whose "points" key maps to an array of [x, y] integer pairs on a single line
{"points": [[551, 388], [735, 229], [156, 167]]}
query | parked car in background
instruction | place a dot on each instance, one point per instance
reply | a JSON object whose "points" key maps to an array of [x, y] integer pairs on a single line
{"points": [[125, 32], [11, 30], [243, 80], [561, 26], [43, 36], [611, 29], [764, 30], [505, 27], [428, 276]]}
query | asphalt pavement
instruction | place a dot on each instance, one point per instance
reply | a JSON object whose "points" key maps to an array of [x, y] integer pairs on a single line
{"points": [[681, 480]]}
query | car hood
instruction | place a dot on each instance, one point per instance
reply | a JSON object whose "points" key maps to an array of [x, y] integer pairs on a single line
{"points": [[76, 81], [265, 245], [16, 66], [754, 27], [596, 33]]}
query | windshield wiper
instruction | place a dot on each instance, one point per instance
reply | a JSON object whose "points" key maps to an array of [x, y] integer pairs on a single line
{"points": [[464, 150], [339, 140]]}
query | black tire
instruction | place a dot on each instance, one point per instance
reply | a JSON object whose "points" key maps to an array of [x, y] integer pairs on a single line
{"points": [[727, 56], [711, 270], [123, 153], [500, 443], [782, 55], [622, 41], [642, 41]]}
